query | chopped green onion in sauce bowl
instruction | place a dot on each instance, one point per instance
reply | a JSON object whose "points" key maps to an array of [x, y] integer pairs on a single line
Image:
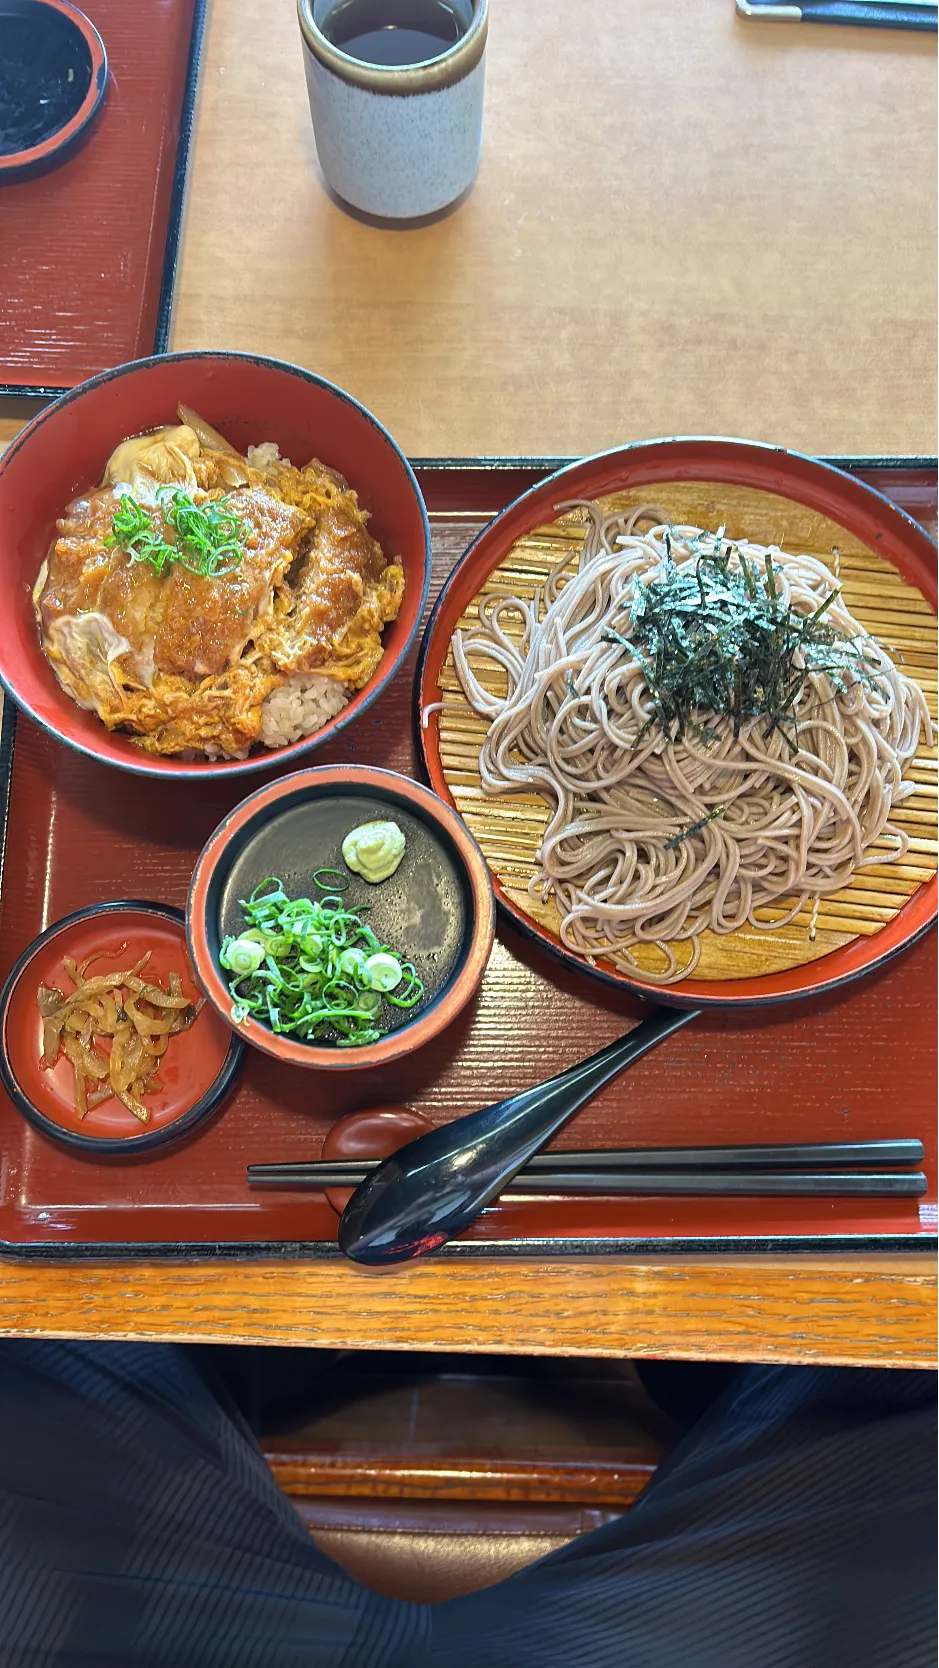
{"points": [[313, 969]]}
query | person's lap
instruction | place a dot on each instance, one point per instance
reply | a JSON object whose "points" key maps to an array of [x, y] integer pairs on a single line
{"points": [[794, 1527], [139, 1525]]}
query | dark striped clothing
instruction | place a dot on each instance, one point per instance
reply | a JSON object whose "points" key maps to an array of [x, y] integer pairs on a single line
{"points": [[139, 1526]]}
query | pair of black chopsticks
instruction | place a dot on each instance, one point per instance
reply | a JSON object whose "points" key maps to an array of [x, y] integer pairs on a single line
{"points": [[823, 1168]]}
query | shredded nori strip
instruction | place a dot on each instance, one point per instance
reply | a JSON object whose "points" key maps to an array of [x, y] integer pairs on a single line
{"points": [[695, 828], [712, 636]]}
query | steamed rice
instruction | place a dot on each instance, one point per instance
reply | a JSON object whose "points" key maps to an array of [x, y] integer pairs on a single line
{"points": [[301, 705], [263, 456]]}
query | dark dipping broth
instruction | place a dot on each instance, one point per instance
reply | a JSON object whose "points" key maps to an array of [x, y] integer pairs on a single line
{"points": [[393, 33], [421, 911], [45, 73]]}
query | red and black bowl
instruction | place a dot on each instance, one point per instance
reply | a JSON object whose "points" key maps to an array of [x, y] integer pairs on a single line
{"points": [[53, 76], [650, 465], [437, 911], [63, 451], [196, 1073]]}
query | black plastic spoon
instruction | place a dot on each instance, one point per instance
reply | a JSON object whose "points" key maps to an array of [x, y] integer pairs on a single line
{"points": [[433, 1188]]}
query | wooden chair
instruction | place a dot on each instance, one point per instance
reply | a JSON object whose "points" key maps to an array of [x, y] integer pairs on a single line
{"points": [[477, 1479]]}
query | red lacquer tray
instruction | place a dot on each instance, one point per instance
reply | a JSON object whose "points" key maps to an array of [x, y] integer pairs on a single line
{"points": [[89, 249], [859, 1064]]}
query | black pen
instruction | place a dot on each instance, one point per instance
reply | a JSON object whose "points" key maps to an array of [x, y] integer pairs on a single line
{"points": [[882, 14]]}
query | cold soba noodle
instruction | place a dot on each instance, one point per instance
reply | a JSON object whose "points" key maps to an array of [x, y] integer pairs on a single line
{"points": [[714, 731]]}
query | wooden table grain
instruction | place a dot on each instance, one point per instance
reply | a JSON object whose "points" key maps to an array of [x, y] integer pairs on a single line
{"points": [[693, 224], [849, 1310], [684, 223]]}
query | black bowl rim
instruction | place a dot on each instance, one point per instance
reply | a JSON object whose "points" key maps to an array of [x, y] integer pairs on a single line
{"points": [[218, 769], [124, 1146]]}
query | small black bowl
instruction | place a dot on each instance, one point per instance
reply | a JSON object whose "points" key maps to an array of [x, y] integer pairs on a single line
{"points": [[53, 75], [437, 910], [196, 1073]]}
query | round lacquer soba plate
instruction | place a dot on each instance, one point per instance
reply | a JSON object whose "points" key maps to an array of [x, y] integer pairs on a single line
{"points": [[886, 565]]}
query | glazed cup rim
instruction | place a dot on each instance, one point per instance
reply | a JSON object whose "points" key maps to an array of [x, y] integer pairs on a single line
{"points": [[431, 76]]}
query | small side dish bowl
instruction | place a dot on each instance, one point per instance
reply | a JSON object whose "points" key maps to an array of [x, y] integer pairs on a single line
{"points": [[56, 73], [437, 910], [249, 399], [196, 1072]]}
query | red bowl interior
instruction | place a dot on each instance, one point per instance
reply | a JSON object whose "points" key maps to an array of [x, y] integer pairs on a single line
{"points": [[191, 1064], [249, 399]]}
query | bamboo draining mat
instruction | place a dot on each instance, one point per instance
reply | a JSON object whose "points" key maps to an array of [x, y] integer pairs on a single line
{"points": [[509, 829]]}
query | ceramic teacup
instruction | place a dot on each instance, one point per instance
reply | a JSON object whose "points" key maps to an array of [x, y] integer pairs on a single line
{"points": [[397, 142]]}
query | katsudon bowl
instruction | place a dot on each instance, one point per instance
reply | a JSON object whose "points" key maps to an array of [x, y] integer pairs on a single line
{"points": [[243, 401]]}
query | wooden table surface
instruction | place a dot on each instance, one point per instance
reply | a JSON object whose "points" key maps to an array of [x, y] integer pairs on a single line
{"points": [[696, 224], [684, 223], [856, 1311]]}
